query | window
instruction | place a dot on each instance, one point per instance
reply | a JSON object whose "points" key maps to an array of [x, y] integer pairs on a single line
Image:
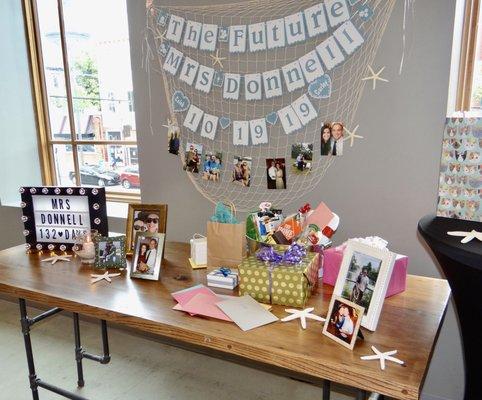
{"points": [[86, 90], [465, 91]]}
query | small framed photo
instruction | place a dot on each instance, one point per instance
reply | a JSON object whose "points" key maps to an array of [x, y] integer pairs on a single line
{"points": [[110, 252], [146, 263], [343, 321], [142, 218], [363, 279]]}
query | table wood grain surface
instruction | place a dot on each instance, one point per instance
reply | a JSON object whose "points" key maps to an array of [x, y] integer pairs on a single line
{"points": [[409, 321]]}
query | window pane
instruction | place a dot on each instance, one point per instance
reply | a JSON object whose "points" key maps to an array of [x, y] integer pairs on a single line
{"points": [[100, 69], [476, 98], [112, 166], [64, 165], [53, 69]]}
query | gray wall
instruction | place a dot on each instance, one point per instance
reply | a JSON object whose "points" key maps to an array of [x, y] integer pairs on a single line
{"points": [[380, 188]]}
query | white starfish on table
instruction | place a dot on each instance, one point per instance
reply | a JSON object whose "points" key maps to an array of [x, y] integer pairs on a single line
{"points": [[467, 236], [382, 356], [56, 258], [106, 275], [375, 77], [302, 315], [352, 135]]}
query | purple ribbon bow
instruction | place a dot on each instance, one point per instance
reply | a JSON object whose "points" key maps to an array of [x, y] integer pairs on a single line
{"points": [[294, 254], [267, 254]]}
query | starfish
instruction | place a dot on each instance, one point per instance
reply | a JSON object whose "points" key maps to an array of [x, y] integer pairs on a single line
{"points": [[217, 59], [468, 236], [56, 258], [382, 356], [375, 77], [161, 36], [171, 126], [302, 315], [106, 275], [352, 135]]}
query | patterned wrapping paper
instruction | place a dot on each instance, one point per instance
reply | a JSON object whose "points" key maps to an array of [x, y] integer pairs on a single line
{"points": [[284, 284], [460, 184]]}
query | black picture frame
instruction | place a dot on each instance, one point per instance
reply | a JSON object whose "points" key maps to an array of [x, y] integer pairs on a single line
{"points": [[97, 213]]}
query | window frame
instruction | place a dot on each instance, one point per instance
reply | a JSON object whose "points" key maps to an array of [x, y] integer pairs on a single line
{"points": [[468, 51], [39, 92]]}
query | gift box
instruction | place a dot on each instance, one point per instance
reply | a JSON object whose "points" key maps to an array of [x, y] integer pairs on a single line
{"points": [[224, 278], [333, 257], [284, 284]]}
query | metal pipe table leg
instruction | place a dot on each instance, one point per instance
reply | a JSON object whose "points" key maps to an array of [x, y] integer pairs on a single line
{"points": [[361, 394], [326, 390], [28, 349], [78, 352]]}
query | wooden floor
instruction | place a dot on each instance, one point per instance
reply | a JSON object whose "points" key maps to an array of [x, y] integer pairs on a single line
{"points": [[141, 368]]}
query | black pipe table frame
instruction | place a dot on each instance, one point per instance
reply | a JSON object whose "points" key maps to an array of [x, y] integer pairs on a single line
{"points": [[35, 382]]}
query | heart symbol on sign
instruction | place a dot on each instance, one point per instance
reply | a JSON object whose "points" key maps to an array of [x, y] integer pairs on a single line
{"points": [[320, 88], [180, 101], [224, 122], [272, 118], [60, 234]]}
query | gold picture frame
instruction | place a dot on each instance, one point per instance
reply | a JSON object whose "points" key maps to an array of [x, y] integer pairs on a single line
{"points": [[139, 214]]}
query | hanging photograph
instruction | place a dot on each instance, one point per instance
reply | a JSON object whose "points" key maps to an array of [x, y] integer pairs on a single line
{"points": [[54, 217], [212, 164], [192, 161], [150, 218], [276, 173], [363, 279], [174, 141], [110, 252], [331, 138], [242, 171], [301, 158], [146, 263], [343, 321]]}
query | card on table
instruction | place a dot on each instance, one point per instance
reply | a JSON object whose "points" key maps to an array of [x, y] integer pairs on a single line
{"points": [[205, 304], [246, 312]]}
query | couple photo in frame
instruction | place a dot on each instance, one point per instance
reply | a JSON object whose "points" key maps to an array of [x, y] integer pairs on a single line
{"points": [[363, 279], [144, 218]]}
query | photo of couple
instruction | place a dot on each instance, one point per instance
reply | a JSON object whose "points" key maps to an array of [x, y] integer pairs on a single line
{"points": [[109, 252], [343, 321], [212, 166], [192, 161], [276, 173], [301, 158], [361, 279], [146, 257], [144, 221], [332, 139], [242, 171]]}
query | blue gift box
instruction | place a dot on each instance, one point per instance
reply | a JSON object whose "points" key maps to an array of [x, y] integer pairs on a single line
{"points": [[225, 278]]}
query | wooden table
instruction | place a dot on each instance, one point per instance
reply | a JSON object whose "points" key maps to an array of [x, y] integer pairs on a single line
{"points": [[410, 322]]}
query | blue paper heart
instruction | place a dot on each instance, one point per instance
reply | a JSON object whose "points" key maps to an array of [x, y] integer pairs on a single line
{"points": [[272, 118], [180, 102], [224, 122], [218, 78], [320, 88], [365, 12]]}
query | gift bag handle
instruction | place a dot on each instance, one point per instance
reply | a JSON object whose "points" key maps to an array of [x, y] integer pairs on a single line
{"points": [[231, 206]]}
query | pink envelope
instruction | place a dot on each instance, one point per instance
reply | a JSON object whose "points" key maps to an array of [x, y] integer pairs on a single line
{"points": [[183, 296], [205, 304]]}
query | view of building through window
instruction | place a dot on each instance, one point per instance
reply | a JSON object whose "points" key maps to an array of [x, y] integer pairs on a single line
{"points": [[103, 141]]}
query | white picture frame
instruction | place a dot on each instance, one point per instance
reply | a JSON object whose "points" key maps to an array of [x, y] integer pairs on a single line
{"points": [[151, 264], [378, 265]]}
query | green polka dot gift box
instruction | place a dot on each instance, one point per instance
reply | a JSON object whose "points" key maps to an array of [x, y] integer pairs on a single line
{"points": [[283, 284]]}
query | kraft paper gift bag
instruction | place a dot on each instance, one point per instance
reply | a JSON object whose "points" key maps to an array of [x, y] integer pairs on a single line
{"points": [[226, 240]]}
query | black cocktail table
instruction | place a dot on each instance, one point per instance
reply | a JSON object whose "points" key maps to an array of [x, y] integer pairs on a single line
{"points": [[462, 266]]}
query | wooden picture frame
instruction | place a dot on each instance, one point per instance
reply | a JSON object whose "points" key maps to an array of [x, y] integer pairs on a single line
{"points": [[339, 321], [110, 252], [54, 216], [142, 211], [364, 276], [150, 261]]}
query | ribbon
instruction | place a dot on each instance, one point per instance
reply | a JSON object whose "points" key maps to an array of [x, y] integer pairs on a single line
{"points": [[268, 255], [305, 208], [293, 255], [224, 271]]}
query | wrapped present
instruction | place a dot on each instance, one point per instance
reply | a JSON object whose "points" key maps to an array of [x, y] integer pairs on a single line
{"points": [[279, 283], [333, 257], [223, 277]]}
